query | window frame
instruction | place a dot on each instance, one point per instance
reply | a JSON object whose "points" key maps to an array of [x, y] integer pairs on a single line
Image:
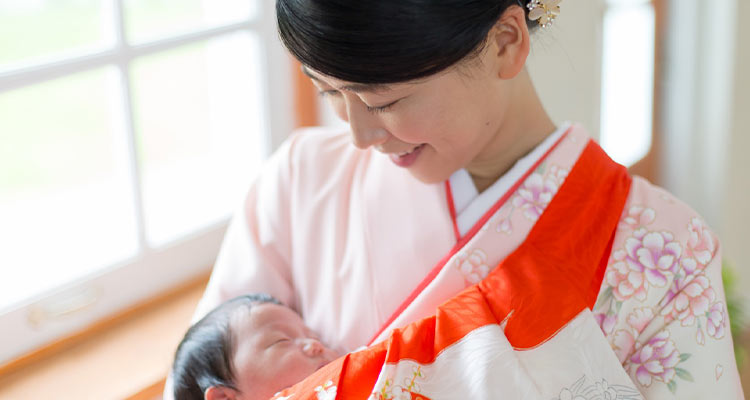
{"points": [[649, 166], [73, 307]]}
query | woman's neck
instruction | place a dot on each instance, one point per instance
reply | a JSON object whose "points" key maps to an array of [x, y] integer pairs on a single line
{"points": [[527, 124]]}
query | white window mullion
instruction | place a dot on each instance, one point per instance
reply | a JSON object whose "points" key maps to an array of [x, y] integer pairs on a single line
{"points": [[29, 75], [123, 67], [245, 85]]}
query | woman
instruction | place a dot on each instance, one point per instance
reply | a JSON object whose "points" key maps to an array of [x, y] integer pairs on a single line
{"points": [[455, 168]]}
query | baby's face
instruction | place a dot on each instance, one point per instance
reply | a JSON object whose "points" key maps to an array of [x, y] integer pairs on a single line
{"points": [[274, 350]]}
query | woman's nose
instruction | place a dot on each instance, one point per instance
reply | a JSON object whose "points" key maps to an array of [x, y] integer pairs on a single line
{"points": [[364, 138], [366, 131]]}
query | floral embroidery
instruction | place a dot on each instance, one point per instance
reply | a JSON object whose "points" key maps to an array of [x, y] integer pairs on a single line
{"points": [[701, 244], [600, 390], [473, 266], [649, 258], [693, 300], [533, 197], [606, 321], [717, 320], [537, 191], [505, 226], [639, 318], [636, 217], [658, 360], [691, 297], [326, 392], [408, 391], [623, 341]]}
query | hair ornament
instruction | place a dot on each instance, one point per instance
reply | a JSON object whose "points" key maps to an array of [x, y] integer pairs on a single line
{"points": [[543, 11]]}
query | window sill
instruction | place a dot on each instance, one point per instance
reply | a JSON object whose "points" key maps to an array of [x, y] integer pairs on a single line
{"points": [[126, 357]]}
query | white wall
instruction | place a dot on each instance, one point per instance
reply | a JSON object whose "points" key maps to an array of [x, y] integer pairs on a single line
{"points": [[565, 64], [707, 121], [735, 232], [706, 104]]}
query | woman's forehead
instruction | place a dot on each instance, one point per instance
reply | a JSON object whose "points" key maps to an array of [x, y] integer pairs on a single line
{"points": [[344, 85], [374, 88]]}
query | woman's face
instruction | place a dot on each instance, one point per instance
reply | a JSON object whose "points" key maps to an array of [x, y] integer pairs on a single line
{"points": [[432, 127], [274, 350]]}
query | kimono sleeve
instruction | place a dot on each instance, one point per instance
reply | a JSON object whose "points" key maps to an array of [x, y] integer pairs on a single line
{"points": [[255, 253], [663, 306]]}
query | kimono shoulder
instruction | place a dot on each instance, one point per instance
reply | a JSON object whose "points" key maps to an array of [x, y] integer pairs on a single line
{"points": [[662, 304]]}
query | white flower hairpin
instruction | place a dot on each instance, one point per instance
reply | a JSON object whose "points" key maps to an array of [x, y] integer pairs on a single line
{"points": [[543, 11]]}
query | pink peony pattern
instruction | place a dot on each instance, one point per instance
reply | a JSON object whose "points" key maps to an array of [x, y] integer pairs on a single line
{"points": [[623, 343], [473, 266], [693, 301], [640, 318], [717, 321], [648, 259], [701, 243], [505, 226], [636, 217], [700, 337], [537, 191], [658, 360], [533, 197], [606, 322], [651, 257]]}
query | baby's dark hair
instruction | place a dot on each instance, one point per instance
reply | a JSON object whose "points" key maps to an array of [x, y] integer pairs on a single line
{"points": [[204, 356]]}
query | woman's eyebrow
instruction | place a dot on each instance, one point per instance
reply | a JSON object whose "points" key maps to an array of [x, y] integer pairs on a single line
{"points": [[352, 87]]}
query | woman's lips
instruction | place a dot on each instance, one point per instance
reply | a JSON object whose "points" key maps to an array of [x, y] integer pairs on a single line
{"points": [[406, 160]]}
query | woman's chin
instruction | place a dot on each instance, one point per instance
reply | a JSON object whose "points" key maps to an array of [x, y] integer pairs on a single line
{"points": [[429, 176]]}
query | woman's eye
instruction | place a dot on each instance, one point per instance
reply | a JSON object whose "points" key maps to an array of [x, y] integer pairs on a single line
{"points": [[281, 341], [381, 109], [324, 93]]}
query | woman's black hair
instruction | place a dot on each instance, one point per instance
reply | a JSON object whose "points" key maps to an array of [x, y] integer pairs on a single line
{"points": [[204, 356], [387, 41]]}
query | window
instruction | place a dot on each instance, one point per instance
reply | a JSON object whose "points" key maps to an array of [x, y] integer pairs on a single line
{"points": [[627, 79], [129, 131]]}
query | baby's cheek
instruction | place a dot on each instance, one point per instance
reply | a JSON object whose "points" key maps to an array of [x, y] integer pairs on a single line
{"points": [[293, 369]]}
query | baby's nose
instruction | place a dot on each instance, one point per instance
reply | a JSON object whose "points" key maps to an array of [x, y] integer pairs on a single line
{"points": [[312, 347]]}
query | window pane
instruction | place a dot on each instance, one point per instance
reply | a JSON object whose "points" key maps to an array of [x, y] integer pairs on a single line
{"points": [[200, 132], [150, 19], [628, 81], [65, 197], [32, 30]]}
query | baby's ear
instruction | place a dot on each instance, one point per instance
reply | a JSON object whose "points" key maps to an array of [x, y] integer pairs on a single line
{"points": [[219, 393]]}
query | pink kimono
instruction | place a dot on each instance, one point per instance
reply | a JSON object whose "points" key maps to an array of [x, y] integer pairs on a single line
{"points": [[361, 248]]}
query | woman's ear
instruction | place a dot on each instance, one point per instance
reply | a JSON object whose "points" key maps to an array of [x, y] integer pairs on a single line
{"points": [[509, 42], [220, 393]]}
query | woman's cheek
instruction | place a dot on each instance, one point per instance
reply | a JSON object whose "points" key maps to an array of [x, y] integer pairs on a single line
{"points": [[413, 128], [339, 107]]}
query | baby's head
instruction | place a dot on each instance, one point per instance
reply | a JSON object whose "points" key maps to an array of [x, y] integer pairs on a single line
{"points": [[247, 348]]}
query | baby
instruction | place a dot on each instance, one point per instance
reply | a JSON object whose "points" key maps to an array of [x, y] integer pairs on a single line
{"points": [[247, 348]]}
